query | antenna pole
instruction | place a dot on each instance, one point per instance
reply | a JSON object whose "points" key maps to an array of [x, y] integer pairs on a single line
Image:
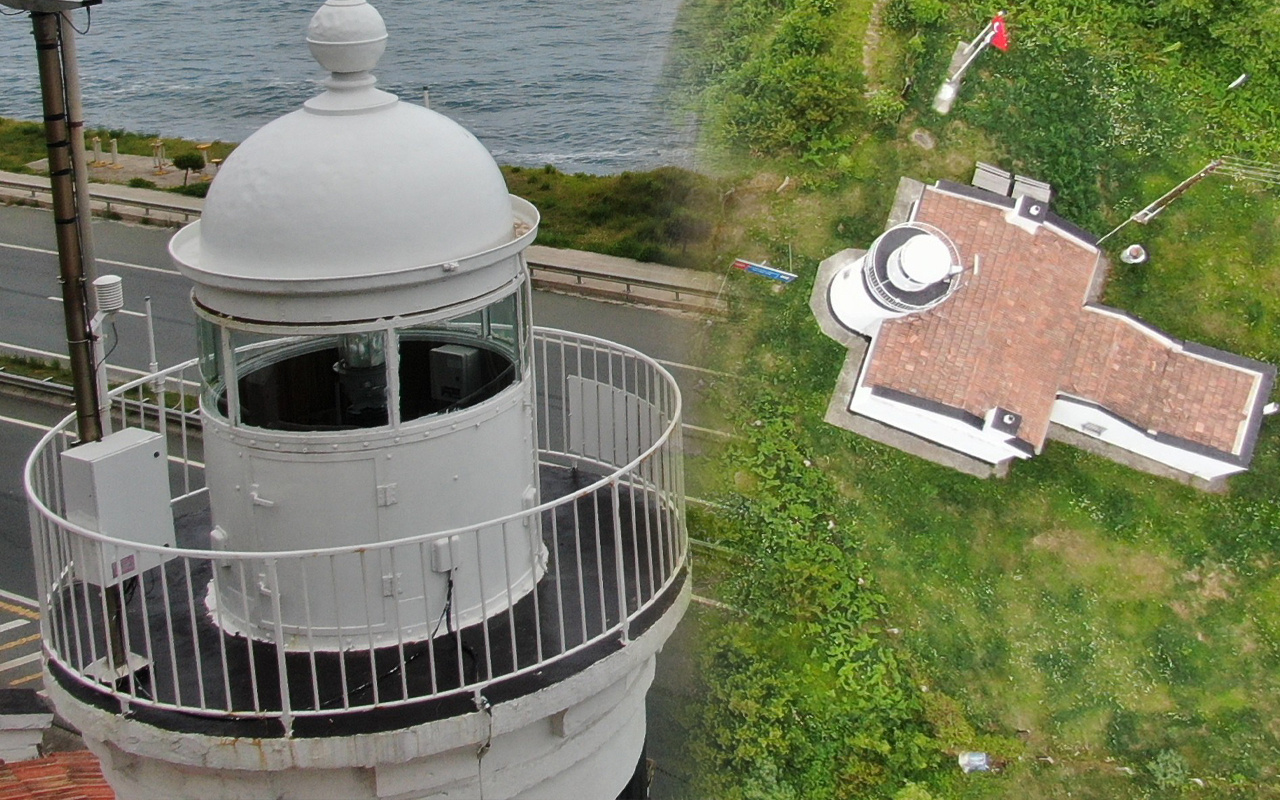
{"points": [[58, 136], [1147, 214], [75, 121]]}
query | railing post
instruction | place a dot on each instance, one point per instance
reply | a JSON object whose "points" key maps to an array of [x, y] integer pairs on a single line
{"points": [[286, 712], [624, 616]]}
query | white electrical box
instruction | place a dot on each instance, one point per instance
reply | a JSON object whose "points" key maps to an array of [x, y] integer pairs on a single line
{"points": [[455, 372], [118, 487]]}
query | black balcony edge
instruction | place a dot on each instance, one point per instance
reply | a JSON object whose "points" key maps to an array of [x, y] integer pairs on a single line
{"points": [[374, 720]]}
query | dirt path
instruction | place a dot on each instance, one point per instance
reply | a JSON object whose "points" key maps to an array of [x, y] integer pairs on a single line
{"points": [[871, 40]]}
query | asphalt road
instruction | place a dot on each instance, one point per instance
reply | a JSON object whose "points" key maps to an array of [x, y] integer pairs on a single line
{"points": [[19, 431], [139, 254]]}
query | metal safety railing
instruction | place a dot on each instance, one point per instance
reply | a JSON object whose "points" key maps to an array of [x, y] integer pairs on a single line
{"points": [[889, 295], [612, 525]]}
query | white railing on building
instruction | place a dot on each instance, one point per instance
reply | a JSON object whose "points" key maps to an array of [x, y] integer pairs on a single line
{"points": [[889, 295], [609, 427]]}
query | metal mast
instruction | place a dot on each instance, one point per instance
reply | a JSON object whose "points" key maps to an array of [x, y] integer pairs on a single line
{"points": [[63, 119]]}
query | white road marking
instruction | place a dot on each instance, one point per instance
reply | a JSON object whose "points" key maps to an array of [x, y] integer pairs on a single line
{"points": [[24, 424], [693, 368], [20, 661], [17, 598], [709, 431], [17, 623], [124, 264]]}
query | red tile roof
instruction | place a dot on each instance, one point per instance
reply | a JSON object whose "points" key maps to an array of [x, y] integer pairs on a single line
{"points": [[1005, 337], [1143, 377], [61, 776], [1019, 332]]}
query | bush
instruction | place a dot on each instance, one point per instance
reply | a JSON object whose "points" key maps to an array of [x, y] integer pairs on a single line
{"points": [[1169, 770], [775, 84], [910, 15], [199, 189], [885, 107], [141, 183], [806, 697]]}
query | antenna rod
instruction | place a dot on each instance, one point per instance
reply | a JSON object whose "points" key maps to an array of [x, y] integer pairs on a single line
{"points": [[1147, 214]]}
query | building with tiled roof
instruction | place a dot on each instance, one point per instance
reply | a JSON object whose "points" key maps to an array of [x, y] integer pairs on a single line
{"points": [[992, 342], [60, 776]]}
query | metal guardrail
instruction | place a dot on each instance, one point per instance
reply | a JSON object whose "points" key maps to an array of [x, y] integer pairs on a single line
{"points": [[42, 386], [628, 282], [109, 199], [615, 540]]}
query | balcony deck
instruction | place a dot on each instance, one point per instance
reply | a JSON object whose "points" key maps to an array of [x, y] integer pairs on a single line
{"points": [[617, 554]]}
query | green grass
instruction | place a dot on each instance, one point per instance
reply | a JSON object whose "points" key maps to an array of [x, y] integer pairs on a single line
{"points": [[1126, 627], [665, 215], [22, 142], [37, 368]]}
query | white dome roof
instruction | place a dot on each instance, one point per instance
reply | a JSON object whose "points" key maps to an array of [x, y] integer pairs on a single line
{"points": [[355, 194], [329, 195]]}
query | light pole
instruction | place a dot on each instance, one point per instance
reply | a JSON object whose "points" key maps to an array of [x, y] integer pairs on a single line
{"points": [[995, 33], [68, 180]]}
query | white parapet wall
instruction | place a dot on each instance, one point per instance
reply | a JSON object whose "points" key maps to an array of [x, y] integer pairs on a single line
{"points": [[1095, 422], [934, 427]]}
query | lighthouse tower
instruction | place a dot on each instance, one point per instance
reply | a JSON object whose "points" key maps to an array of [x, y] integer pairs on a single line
{"points": [[908, 268], [383, 538]]}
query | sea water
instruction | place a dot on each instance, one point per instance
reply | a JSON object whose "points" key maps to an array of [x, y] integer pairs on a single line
{"points": [[574, 83]]}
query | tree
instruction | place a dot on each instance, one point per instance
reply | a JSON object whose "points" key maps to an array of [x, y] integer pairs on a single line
{"points": [[188, 161]]}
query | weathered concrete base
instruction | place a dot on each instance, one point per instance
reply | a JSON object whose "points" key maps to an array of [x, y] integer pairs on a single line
{"points": [[1132, 460], [838, 414]]}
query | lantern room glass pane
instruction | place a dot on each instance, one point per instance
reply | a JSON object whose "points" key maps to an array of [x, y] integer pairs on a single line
{"points": [[315, 383], [212, 369], [460, 362]]}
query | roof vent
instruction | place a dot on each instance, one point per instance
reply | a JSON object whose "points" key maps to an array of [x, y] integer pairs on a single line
{"points": [[1032, 208], [1003, 420]]}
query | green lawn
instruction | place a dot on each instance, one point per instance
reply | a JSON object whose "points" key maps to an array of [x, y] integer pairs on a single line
{"points": [[1103, 633]]}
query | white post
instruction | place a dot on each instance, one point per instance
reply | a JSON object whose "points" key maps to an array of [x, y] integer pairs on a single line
{"points": [[153, 365]]}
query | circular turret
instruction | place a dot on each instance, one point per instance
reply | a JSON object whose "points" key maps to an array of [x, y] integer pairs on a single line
{"points": [[910, 268], [362, 293]]}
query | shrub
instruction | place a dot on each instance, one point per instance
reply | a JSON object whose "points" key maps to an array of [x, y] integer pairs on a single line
{"points": [[1169, 770], [909, 15], [142, 183], [885, 107], [199, 189]]}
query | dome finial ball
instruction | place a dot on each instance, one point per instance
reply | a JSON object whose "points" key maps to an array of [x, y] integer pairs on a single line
{"points": [[347, 36]]}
